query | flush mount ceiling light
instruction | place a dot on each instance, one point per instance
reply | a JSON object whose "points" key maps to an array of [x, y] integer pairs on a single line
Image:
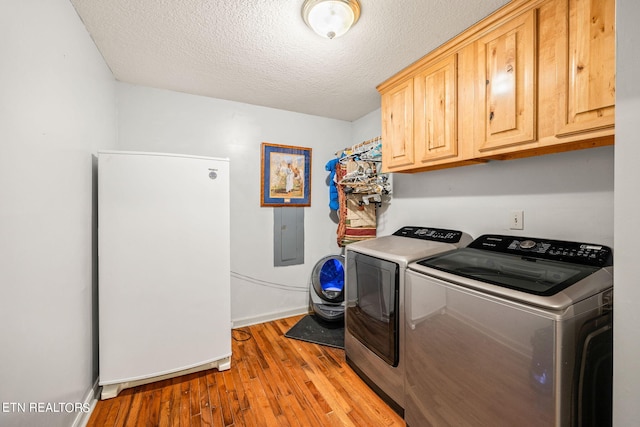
{"points": [[330, 18]]}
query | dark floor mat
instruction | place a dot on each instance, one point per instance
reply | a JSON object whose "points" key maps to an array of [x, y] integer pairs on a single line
{"points": [[312, 329]]}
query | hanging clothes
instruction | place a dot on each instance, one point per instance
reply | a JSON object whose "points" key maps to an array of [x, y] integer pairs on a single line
{"points": [[360, 187]]}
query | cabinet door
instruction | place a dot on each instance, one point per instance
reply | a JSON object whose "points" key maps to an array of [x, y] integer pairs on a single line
{"points": [[507, 84], [397, 127], [590, 68], [435, 92]]}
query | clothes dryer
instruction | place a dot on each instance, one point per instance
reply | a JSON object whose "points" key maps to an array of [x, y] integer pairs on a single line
{"points": [[374, 316]]}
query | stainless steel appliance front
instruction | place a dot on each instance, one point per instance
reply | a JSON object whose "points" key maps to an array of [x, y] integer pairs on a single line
{"points": [[374, 317], [510, 337]]}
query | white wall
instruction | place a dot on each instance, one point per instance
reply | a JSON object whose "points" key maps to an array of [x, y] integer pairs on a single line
{"points": [[164, 121], [564, 196], [626, 377], [57, 106], [366, 127]]}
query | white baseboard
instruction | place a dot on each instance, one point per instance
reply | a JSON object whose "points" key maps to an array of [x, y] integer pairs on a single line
{"points": [[248, 321], [91, 399]]}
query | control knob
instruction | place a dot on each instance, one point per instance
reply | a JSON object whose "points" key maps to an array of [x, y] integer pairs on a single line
{"points": [[527, 244]]}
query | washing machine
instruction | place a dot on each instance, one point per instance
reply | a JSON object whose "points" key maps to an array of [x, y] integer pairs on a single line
{"points": [[510, 331], [374, 316]]}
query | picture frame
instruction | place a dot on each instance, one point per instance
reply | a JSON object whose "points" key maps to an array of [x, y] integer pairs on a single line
{"points": [[285, 176]]}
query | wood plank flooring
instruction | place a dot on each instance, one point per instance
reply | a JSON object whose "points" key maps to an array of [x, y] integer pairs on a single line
{"points": [[273, 381]]}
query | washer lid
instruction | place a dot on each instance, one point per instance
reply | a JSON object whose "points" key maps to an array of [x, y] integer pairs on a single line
{"points": [[530, 275]]}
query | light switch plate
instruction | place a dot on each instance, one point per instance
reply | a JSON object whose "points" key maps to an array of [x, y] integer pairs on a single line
{"points": [[516, 220]]}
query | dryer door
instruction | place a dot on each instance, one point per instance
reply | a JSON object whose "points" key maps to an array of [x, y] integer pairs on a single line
{"points": [[373, 294]]}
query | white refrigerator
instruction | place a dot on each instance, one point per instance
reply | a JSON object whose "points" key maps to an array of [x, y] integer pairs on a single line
{"points": [[164, 267]]}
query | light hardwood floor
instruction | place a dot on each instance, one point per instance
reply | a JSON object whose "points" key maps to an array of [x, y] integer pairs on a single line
{"points": [[273, 381]]}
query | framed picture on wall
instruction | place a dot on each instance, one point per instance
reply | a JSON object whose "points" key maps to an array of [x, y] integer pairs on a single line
{"points": [[285, 175]]}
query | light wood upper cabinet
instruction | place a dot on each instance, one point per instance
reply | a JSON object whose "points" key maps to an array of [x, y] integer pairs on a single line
{"points": [[397, 127], [507, 84], [586, 67], [435, 112], [535, 77]]}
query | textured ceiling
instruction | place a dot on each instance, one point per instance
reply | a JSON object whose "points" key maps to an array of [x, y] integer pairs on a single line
{"points": [[260, 51]]}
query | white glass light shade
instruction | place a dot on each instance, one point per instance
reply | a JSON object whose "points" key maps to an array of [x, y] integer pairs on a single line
{"points": [[330, 18]]}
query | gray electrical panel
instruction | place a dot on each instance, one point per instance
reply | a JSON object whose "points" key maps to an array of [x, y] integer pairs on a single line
{"points": [[288, 236]]}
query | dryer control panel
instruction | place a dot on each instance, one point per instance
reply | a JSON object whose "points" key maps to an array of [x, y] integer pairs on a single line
{"points": [[434, 234], [557, 250]]}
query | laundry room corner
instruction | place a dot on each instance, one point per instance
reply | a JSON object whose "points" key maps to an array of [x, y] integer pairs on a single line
{"points": [[153, 120]]}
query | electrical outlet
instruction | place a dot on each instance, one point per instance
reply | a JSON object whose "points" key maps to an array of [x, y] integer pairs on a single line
{"points": [[516, 220]]}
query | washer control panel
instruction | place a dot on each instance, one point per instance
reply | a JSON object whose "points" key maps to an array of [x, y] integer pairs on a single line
{"points": [[435, 234], [558, 250]]}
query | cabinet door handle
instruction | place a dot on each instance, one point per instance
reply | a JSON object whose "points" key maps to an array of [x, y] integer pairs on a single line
{"points": [[491, 116]]}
